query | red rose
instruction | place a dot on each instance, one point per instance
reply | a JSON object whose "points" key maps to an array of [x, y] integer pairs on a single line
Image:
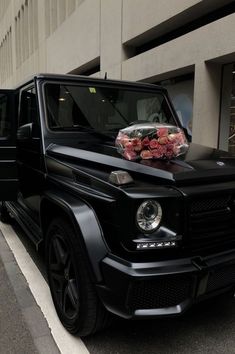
{"points": [[162, 132], [146, 154], [153, 144]]}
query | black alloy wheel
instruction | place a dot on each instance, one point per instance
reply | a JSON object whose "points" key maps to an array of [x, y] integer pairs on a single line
{"points": [[69, 275], [63, 279]]}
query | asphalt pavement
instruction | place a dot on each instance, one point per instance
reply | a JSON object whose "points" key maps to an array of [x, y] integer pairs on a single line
{"points": [[207, 329], [23, 329]]}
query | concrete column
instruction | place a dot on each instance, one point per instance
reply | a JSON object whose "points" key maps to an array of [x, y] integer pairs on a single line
{"points": [[41, 56], [207, 86], [111, 51], [225, 107]]}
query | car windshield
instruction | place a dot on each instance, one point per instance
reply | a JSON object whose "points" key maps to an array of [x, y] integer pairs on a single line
{"points": [[103, 109]]}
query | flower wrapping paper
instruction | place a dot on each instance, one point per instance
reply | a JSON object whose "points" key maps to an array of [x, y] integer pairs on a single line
{"points": [[151, 141]]}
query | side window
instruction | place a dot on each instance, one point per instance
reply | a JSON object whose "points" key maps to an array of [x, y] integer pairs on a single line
{"points": [[28, 107], [5, 124]]}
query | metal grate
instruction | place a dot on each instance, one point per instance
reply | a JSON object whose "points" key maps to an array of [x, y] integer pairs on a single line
{"points": [[211, 222], [160, 293], [209, 204], [221, 278]]}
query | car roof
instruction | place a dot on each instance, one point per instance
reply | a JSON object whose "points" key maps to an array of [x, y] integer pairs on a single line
{"points": [[79, 78]]}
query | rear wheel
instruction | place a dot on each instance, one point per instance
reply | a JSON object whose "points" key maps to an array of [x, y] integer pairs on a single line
{"points": [[73, 292]]}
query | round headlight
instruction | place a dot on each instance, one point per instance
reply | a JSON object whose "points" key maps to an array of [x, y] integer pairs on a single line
{"points": [[149, 215]]}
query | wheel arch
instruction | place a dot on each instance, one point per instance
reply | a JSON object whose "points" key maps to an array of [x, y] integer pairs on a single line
{"points": [[84, 222]]}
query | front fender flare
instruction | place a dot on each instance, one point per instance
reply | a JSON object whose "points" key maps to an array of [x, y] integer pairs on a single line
{"points": [[85, 222]]}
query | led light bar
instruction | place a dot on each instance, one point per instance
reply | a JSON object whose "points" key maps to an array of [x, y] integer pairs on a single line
{"points": [[154, 245]]}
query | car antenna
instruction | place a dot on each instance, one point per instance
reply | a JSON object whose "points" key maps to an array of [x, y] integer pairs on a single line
{"points": [[105, 75]]}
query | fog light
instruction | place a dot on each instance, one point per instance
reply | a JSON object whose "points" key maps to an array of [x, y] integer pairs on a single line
{"points": [[155, 245]]}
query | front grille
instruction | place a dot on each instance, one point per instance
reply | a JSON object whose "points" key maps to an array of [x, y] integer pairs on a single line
{"points": [[160, 293], [208, 204], [211, 222], [221, 278]]}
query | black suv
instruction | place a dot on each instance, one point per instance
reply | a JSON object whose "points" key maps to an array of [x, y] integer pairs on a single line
{"points": [[64, 182]]}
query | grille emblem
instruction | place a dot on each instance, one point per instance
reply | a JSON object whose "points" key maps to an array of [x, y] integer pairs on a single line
{"points": [[220, 163]]}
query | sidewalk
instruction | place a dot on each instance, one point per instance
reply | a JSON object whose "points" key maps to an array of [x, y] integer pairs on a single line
{"points": [[23, 328]]}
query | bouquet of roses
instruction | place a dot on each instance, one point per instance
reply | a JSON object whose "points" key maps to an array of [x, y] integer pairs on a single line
{"points": [[151, 141]]}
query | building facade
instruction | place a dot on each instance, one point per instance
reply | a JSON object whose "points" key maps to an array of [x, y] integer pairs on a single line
{"points": [[186, 45]]}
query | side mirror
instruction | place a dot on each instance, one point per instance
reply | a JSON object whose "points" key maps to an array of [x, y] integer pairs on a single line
{"points": [[28, 131], [25, 132]]}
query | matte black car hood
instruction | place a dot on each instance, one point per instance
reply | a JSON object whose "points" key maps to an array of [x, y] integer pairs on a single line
{"points": [[200, 163]]}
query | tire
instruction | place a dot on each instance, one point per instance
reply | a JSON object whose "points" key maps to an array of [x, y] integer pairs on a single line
{"points": [[4, 214], [73, 292]]}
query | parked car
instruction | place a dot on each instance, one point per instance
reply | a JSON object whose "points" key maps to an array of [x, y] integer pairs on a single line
{"points": [[138, 239]]}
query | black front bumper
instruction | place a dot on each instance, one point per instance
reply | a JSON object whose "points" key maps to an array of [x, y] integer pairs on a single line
{"points": [[134, 290]]}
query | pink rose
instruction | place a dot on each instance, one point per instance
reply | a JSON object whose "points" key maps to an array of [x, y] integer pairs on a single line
{"points": [[180, 138], [163, 140], [145, 141], [169, 154], [162, 149], [177, 138], [172, 137], [176, 150], [170, 151], [129, 146], [162, 132], [170, 147], [122, 139], [129, 155], [146, 154], [153, 144], [137, 145], [157, 153]]}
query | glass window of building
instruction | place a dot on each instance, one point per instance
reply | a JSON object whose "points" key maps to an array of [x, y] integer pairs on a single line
{"points": [[227, 118], [181, 89]]}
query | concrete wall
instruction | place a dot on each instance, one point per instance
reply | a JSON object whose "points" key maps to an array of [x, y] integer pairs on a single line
{"points": [[76, 41], [77, 35]]}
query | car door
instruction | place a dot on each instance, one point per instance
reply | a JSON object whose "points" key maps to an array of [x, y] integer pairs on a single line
{"points": [[8, 166], [30, 159]]}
